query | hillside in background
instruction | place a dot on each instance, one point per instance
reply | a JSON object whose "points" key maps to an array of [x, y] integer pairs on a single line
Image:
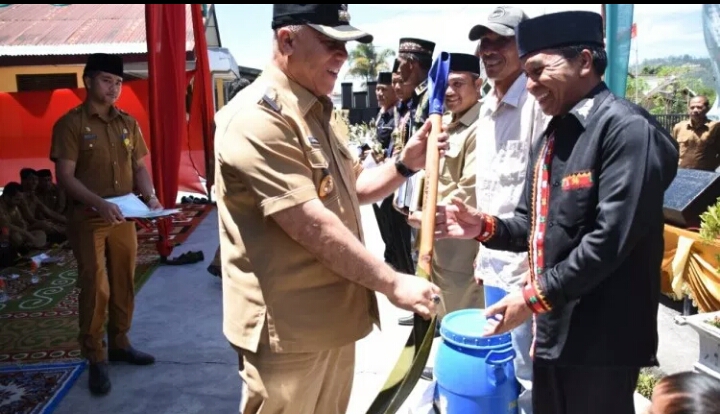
{"points": [[655, 89], [691, 68]]}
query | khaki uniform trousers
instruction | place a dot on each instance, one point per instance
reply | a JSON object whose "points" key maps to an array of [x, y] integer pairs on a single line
{"points": [[106, 256], [453, 273], [296, 383]]}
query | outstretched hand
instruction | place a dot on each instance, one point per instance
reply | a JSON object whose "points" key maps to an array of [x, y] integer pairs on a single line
{"points": [[413, 154], [457, 220], [506, 315]]}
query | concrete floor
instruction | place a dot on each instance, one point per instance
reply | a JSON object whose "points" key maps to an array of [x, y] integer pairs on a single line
{"points": [[178, 318]]}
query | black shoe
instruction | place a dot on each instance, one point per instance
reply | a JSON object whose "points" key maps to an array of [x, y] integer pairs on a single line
{"points": [[427, 374], [214, 270], [131, 356], [406, 321], [99, 380]]}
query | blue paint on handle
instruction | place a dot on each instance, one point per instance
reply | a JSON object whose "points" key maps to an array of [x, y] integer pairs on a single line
{"points": [[437, 83]]}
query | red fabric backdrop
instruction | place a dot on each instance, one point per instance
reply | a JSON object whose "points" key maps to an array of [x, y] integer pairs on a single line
{"points": [[27, 119]]}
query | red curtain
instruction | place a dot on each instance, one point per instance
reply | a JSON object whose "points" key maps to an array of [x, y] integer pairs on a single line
{"points": [[202, 108], [165, 25]]}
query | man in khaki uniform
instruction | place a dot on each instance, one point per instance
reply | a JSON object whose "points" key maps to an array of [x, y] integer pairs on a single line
{"points": [[50, 194], [53, 223], [453, 259], [698, 137], [99, 152], [297, 280]]}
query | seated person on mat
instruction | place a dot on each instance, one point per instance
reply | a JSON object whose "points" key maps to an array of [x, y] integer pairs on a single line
{"points": [[49, 193], [45, 219], [22, 236]]}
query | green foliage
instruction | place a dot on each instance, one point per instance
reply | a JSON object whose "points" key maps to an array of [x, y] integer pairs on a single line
{"points": [[710, 225], [362, 133], [366, 61], [646, 383], [692, 76], [714, 321], [710, 222]]}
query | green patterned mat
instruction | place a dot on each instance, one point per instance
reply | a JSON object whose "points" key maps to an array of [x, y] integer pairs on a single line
{"points": [[39, 321]]}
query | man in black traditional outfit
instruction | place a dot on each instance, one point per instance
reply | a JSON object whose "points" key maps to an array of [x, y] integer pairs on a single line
{"points": [[384, 127], [591, 219]]}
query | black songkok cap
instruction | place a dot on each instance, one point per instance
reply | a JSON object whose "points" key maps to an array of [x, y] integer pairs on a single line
{"points": [[419, 47], [556, 30], [102, 62], [332, 20], [396, 66], [384, 78], [462, 62]]}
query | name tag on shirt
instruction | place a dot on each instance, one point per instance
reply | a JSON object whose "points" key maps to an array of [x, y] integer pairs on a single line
{"points": [[89, 136]]}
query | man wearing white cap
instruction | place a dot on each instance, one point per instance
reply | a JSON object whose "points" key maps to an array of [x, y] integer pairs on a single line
{"points": [[510, 122]]}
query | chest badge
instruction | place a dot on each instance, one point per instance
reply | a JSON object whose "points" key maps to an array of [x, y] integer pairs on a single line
{"points": [[313, 142], [326, 186]]}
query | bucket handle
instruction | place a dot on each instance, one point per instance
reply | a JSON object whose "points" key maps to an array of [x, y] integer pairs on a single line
{"points": [[496, 357]]}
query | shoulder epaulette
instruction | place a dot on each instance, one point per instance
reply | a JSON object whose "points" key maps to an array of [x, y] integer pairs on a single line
{"points": [[270, 99]]}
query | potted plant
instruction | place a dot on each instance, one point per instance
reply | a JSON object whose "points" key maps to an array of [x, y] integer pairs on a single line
{"points": [[710, 223], [363, 135], [647, 380]]}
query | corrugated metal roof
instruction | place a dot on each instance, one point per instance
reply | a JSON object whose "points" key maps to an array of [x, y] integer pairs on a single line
{"points": [[43, 29]]}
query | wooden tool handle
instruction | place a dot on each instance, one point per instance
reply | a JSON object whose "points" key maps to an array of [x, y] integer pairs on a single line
{"points": [[430, 195]]}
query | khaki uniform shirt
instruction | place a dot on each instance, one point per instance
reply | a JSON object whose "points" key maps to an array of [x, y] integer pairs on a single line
{"points": [[106, 149], [275, 148], [699, 147], [454, 258]]}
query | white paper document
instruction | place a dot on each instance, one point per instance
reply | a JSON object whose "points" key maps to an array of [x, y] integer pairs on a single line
{"points": [[132, 207]]}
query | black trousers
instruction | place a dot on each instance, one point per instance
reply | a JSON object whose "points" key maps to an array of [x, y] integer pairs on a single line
{"points": [[583, 390], [385, 231], [395, 233]]}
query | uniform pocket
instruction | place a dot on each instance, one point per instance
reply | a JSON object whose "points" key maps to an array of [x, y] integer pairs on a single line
{"points": [[317, 159], [88, 143], [575, 207], [511, 165]]}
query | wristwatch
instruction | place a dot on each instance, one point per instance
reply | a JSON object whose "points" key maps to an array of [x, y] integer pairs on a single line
{"points": [[402, 169]]}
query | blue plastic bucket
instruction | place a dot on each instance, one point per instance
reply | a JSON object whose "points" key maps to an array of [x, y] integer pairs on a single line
{"points": [[493, 294], [474, 374]]}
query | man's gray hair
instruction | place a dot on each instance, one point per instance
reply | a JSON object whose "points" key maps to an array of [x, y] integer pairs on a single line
{"points": [[294, 28]]}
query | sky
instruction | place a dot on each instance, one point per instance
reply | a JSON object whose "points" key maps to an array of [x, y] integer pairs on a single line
{"points": [[662, 29]]}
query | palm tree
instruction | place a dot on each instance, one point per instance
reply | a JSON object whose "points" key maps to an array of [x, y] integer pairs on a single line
{"points": [[366, 61]]}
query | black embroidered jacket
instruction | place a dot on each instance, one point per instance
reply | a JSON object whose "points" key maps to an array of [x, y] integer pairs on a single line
{"points": [[603, 242]]}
